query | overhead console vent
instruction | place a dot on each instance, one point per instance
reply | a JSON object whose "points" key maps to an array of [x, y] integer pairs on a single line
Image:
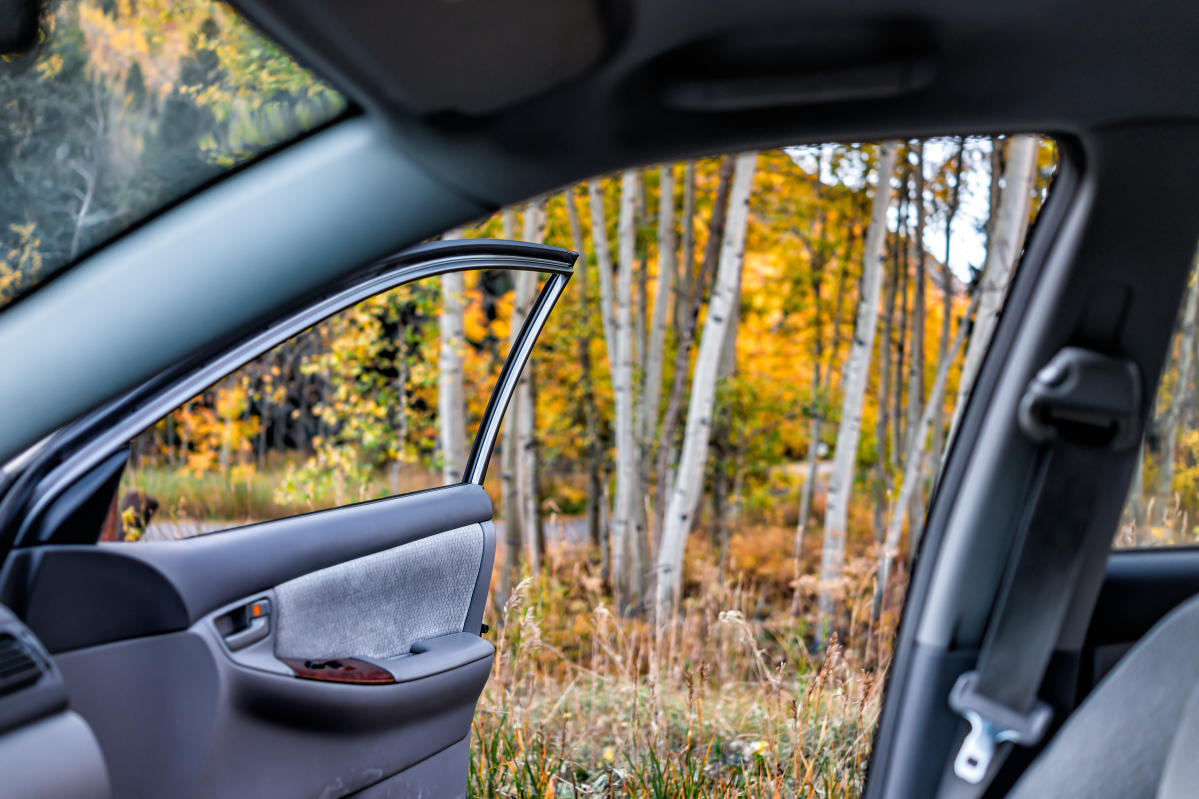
{"points": [[19, 667]]}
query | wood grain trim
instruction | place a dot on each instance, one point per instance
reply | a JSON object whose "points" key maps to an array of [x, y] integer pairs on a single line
{"points": [[346, 670]]}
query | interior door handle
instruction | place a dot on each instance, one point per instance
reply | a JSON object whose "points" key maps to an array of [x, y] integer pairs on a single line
{"points": [[247, 624], [255, 631]]}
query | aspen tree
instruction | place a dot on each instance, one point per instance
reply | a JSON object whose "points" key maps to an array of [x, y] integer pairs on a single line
{"points": [[688, 484], [857, 368]]}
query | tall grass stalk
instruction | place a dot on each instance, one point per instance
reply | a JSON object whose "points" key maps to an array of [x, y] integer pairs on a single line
{"points": [[586, 702]]}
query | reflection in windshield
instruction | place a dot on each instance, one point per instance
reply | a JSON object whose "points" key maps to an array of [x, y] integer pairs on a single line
{"points": [[123, 108]]}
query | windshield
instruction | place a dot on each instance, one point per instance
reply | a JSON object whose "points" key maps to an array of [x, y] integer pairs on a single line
{"points": [[124, 107]]}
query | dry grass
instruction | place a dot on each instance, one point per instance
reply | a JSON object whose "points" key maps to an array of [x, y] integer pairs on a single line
{"points": [[729, 702], [253, 496]]}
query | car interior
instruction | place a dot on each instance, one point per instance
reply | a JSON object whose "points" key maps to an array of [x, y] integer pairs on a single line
{"points": [[1032, 659]]}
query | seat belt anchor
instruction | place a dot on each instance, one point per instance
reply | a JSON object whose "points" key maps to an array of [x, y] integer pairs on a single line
{"points": [[1084, 397], [991, 723]]}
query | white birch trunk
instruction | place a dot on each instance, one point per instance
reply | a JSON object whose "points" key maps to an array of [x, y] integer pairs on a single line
{"points": [[509, 459], [1010, 223], [947, 292], [686, 269], [603, 262], [652, 395], [728, 352], [1182, 389], [689, 478], [526, 414], [913, 466], [451, 401], [915, 511], [857, 369], [624, 548], [598, 539]]}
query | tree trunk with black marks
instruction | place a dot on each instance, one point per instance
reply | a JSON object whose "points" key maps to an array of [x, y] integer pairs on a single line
{"points": [[603, 262], [626, 571], [528, 466], [913, 477], [1010, 223], [916, 376], [682, 356], [688, 484], [857, 368], [1182, 391], [451, 397], [651, 395], [591, 420]]}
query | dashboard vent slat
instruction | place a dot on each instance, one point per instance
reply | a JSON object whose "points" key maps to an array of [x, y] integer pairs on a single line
{"points": [[18, 665]]}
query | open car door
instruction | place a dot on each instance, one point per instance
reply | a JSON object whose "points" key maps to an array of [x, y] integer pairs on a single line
{"points": [[334, 653]]}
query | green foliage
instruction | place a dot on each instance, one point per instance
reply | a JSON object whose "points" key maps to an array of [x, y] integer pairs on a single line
{"points": [[334, 476], [379, 364]]}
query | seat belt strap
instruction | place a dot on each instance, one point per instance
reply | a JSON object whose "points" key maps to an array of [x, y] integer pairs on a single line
{"points": [[1079, 407]]}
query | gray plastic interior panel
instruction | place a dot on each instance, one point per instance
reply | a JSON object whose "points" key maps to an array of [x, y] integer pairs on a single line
{"points": [[175, 716], [211, 570], [377, 606], [75, 596], [442, 776], [438, 655], [53, 758]]}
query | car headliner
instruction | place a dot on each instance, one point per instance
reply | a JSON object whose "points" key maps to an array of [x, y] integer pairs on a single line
{"points": [[942, 67], [473, 104]]}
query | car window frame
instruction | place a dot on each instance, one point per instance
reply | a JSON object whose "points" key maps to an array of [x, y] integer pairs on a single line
{"points": [[82, 446]]}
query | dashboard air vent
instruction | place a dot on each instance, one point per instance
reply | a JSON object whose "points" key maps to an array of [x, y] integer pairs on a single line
{"points": [[18, 665]]}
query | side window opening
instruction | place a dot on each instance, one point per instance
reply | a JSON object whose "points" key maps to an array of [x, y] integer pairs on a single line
{"points": [[1162, 509], [344, 412]]}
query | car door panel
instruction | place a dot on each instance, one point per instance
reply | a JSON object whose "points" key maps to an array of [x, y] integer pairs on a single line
{"points": [[240, 731], [433, 776], [156, 587], [79, 772], [325, 654], [406, 594]]}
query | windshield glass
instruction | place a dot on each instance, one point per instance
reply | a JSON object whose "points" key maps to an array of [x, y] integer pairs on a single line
{"points": [[123, 107]]}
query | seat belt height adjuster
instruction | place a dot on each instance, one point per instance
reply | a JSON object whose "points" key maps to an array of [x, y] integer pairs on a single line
{"points": [[991, 723]]}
